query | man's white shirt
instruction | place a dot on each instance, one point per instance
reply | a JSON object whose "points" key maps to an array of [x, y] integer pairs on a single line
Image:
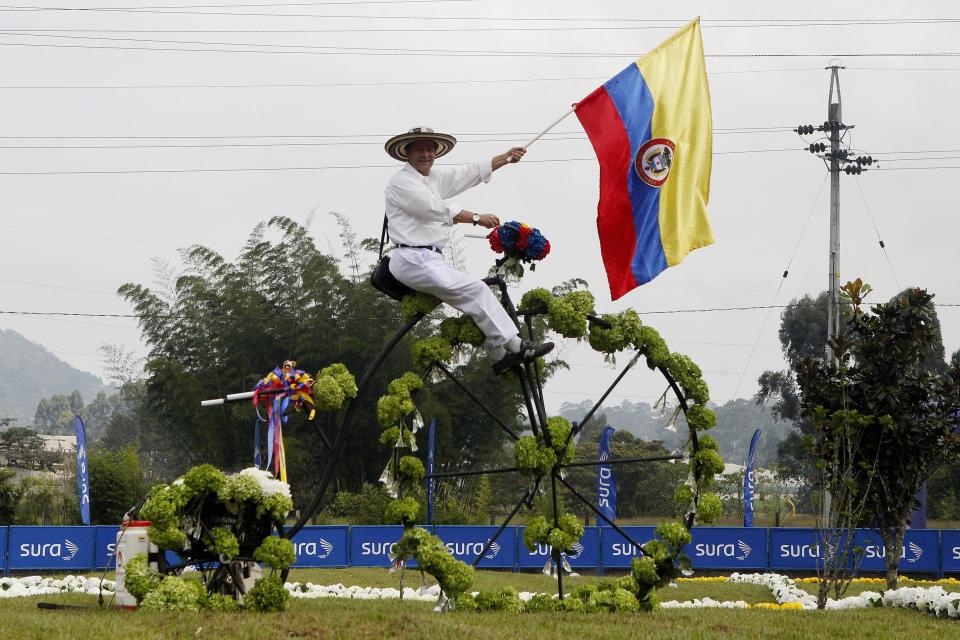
{"points": [[417, 206]]}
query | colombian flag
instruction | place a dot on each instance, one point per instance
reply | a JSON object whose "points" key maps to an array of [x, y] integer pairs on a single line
{"points": [[650, 126]]}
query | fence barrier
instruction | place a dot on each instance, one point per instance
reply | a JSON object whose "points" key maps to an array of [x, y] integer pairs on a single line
{"points": [[928, 551]]}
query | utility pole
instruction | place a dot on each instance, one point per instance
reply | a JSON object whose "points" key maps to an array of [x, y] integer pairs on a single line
{"points": [[837, 159], [835, 119]]}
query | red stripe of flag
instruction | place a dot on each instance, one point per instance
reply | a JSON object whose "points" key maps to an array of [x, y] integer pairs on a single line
{"points": [[618, 237]]}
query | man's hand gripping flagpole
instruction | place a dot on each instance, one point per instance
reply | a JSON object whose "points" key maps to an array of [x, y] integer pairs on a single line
{"points": [[512, 159]]}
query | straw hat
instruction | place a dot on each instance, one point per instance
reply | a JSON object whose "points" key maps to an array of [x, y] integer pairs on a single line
{"points": [[397, 145]]}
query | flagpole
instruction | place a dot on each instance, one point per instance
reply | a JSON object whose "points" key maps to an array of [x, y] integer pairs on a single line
{"points": [[544, 132]]}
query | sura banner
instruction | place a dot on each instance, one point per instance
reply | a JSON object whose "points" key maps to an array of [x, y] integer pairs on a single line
{"points": [[585, 553], [466, 543], [371, 546], [728, 548], [920, 551], [616, 551], [795, 549], [105, 544], [62, 548], [950, 550], [321, 547]]}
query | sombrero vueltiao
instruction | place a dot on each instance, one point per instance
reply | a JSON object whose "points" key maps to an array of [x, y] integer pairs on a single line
{"points": [[397, 145]]}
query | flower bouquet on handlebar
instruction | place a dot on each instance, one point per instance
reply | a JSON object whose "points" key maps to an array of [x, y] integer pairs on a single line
{"points": [[518, 243]]}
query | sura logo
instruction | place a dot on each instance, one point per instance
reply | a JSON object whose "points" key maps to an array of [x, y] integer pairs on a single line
{"points": [[320, 549], [473, 549], [877, 551], [377, 548], [546, 550], [740, 551], [65, 550]]}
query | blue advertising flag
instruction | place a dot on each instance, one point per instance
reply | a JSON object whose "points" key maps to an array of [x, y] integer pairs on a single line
{"points": [[431, 447], [83, 475], [606, 483], [749, 482]]}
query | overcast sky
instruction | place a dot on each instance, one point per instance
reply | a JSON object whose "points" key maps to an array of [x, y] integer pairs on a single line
{"points": [[292, 86]]}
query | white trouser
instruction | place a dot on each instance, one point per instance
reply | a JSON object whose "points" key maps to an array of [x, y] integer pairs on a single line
{"points": [[428, 271]]}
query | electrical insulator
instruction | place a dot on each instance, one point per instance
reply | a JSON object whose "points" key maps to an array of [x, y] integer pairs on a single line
{"points": [[817, 147], [868, 160], [805, 129], [853, 169]]}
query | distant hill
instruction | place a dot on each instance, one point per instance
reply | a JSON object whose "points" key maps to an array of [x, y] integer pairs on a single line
{"points": [[28, 373]]}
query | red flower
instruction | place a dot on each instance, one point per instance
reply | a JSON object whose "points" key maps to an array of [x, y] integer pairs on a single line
{"points": [[494, 238]]}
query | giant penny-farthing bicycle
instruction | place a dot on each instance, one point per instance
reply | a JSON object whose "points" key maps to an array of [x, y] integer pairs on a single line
{"points": [[609, 334]]}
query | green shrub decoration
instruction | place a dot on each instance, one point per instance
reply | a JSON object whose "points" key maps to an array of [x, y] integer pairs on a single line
{"points": [[140, 579], [175, 593], [327, 394], [342, 376], [429, 350], [700, 418], [267, 595], [561, 538], [240, 488], [533, 457], [204, 478], [560, 429], [275, 506], [462, 330], [537, 530], [709, 508], [398, 401], [402, 511], [536, 300], [276, 552], [418, 302], [712, 463], [222, 542], [411, 471], [220, 602], [683, 496]]}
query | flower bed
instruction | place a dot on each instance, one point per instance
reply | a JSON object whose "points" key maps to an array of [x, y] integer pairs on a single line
{"points": [[933, 600]]}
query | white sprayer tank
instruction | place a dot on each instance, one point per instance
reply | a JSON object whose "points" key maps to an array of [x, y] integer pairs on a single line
{"points": [[131, 540]]}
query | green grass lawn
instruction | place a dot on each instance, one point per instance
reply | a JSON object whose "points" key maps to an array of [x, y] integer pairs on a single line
{"points": [[361, 619]]}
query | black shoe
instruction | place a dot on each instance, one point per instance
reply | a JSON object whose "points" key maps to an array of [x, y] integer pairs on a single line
{"points": [[528, 353]]}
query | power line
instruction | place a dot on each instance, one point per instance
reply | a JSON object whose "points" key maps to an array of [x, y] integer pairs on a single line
{"points": [[159, 8], [474, 29], [465, 53], [229, 145], [876, 229], [273, 169], [302, 85], [381, 136], [661, 23]]}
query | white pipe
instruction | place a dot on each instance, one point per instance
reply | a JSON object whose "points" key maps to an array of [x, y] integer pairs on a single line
{"points": [[230, 397]]}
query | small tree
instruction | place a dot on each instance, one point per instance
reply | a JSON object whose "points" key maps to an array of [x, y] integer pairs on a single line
{"points": [[116, 482], [883, 420], [10, 492]]}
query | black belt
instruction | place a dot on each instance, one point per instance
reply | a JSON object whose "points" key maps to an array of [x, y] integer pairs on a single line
{"points": [[416, 246]]}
